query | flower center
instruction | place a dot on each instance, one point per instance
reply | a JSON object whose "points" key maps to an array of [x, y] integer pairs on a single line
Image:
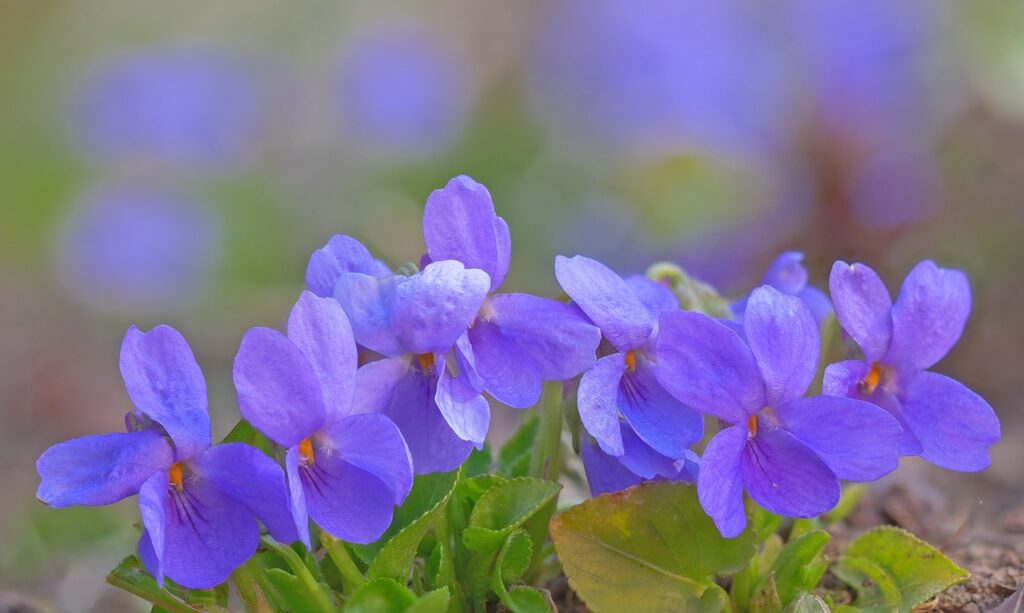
{"points": [[871, 380], [306, 451], [630, 361], [426, 361], [752, 425], [176, 476]]}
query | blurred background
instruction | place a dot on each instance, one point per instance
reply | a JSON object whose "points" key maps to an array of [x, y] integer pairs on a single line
{"points": [[177, 163]]}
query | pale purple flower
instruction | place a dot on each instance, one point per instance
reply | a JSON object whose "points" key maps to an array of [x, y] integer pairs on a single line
{"points": [[607, 473], [788, 275]]}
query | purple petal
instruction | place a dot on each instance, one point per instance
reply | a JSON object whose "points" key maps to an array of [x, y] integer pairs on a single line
{"points": [[663, 422], [101, 469], [929, 316], [341, 254], [506, 370], [643, 460], [862, 307], [435, 306], [152, 511], [817, 302], [606, 299], [597, 397], [718, 484], [843, 379], [459, 223], [782, 475], [376, 382], [784, 337], [955, 425], [787, 273], [462, 405], [707, 366], [278, 392], [320, 329], [252, 479], [655, 296], [165, 383], [432, 443], [206, 535], [856, 439], [374, 443], [605, 473], [367, 301], [348, 502], [297, 495], [561, 342]]}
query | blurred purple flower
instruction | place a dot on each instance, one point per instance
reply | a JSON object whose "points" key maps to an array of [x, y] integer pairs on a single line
{"points": [[191, 107], [668, 75], [788, 275], [606, 473], [138, 247], [943, 421], [787, 451], [622, 384], [427, 389], [402, 93], [345, 470], [517, 340], [199, 504]]}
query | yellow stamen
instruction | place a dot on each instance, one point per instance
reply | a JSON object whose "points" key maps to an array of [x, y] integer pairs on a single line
{"points": [[306, 451], [426, 361], [752, 425], [872, 379], [630, 361], [176, 476]]}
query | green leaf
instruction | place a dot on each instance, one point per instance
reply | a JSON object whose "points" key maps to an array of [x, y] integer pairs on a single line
{"points": [[379, 596], [131, 577], [767, 600], [432, 602], [903, 570], [440, 568], [291, 591], [514, 455], [524, 599], [800, 565], [243, 432], [807, 603], [392, 554], [504, 507], [765, 522], [650, 547], [746, 583], [515, 557], [478, 462]]}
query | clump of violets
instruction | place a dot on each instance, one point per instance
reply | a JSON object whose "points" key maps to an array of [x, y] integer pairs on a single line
{"points": [[382, 374], [621, 403], [345, 470], [787, 451], [199, 503], [943, 421]]}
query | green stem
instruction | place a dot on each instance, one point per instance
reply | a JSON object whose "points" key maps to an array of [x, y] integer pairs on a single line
{"points": [[316, 592], [545, 461], [245, 580], [351, 577], [168, 603]]}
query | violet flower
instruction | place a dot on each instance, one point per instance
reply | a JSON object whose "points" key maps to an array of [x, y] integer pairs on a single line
{"points": [[788, 275], [622, 384], [607, 473], [943, 421], [787, 451], [422, 385], [517, 340], [199, 504]]}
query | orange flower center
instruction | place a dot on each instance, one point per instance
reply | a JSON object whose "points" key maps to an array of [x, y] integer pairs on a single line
{"points": [[872, 379], [176, 476], [426, 361], [306, 451], [630, 361], [752, 425]]}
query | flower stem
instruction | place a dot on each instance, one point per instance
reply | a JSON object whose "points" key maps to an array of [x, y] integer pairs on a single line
{"points": [[545, 461], [351, 577], [316, 592], [244, 578]]}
